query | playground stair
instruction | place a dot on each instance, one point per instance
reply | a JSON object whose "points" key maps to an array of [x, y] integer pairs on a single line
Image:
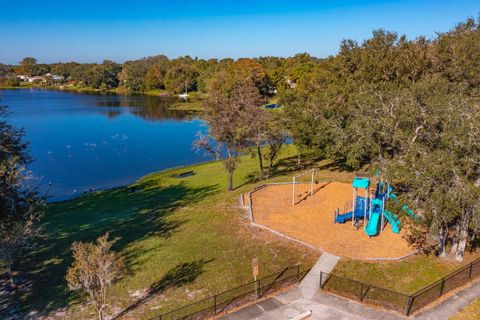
{"points": [[311, 282]]}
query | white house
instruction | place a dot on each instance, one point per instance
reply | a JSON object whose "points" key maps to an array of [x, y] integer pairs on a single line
{"points": [[55, 77]]}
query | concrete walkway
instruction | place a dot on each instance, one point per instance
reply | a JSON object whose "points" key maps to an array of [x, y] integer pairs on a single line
{"points": [[324, 307], [311, 282], [327, 307], [452, 305]]}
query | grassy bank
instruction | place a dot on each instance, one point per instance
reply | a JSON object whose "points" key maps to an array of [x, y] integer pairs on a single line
{"points": [[183, 239], [405, 276], [22, 85]]}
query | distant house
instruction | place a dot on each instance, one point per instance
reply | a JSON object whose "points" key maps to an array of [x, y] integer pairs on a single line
{"points": [[55, 77], [36, 79]]}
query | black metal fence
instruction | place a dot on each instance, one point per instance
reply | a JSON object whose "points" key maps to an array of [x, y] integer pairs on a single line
{"points": [[227, 301], [392, 300]]}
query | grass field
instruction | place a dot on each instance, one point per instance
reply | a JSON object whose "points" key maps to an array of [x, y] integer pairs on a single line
{"points": [[22, 85], [182, 238], [192, 105], [405, 276]]}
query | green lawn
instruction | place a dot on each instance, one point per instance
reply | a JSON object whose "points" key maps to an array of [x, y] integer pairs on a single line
{"points": [[405, 276], [185, 239], [23, 85], [182, 238], [191, 105]]}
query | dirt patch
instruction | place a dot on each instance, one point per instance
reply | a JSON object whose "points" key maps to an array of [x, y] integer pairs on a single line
{"points": [[312, 220]]}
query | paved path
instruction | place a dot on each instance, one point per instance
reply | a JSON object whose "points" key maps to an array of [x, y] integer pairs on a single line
{"points": [[327, 307], [311, 282], [452, 305], [323, 307]]}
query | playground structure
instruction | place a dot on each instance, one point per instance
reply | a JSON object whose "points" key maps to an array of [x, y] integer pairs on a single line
{"points": [[310, 219], [370, 208], [295, 182]]}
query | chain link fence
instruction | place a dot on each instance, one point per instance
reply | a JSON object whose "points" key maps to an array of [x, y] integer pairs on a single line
{"points": [[397, 301], [233, 299]]}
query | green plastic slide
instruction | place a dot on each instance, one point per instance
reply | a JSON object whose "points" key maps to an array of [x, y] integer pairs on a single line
{"points": [[393, 220], [373, 224], [410, 212]]}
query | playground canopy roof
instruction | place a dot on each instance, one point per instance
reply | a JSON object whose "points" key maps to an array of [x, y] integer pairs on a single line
{"points": [[361, 183]]}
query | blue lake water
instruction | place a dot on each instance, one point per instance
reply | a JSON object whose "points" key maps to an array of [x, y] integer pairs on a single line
{"points": [[83, 142]]}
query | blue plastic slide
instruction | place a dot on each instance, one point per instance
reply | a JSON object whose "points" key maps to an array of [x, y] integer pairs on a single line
{"points": [[394, 222], [374, 223]]}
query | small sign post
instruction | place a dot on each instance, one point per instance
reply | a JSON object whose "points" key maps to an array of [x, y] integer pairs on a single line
{"points": [[255, 274]]}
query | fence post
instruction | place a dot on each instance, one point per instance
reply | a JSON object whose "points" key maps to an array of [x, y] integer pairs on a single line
{"points": [[361, 291], [441, 288], [298, 273], [215, 304], [409, 305], [321, 273], [257, 289], [471, 269]]}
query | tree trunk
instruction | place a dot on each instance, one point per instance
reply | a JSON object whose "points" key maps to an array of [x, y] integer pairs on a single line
{"points": [[462, 236], [270, 165], [462, 243], [260, 160], [474, 237], [453, 251], [442, 238], [8, 268], [230, 181], [100, 314]]}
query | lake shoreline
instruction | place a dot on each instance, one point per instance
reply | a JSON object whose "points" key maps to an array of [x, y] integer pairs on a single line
{"points": [[129, 184], [89, 142], [194, 105]]}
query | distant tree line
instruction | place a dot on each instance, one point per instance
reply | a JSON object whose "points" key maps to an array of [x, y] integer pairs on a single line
{"points": [[161, 73]]}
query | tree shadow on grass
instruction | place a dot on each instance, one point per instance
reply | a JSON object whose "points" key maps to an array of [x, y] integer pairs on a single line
{"points": [[284, 167], [288, 165], [129, 217], [178, 276], [336, 165]]}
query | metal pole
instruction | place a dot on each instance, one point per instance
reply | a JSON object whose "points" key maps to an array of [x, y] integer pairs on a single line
{"points": [[311, 184], [293, 196], [321, 280], [441, 288], [353, 204], [365, 215], [409, 305], [215, 304], [298, 273], [365, 206], [383, 209]]}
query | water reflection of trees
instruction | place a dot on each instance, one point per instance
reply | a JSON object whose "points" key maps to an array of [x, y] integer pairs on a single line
{"points": [[150, 108]]}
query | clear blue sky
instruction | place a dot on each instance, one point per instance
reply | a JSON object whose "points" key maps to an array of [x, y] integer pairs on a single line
{"points": [[89, 31]]}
